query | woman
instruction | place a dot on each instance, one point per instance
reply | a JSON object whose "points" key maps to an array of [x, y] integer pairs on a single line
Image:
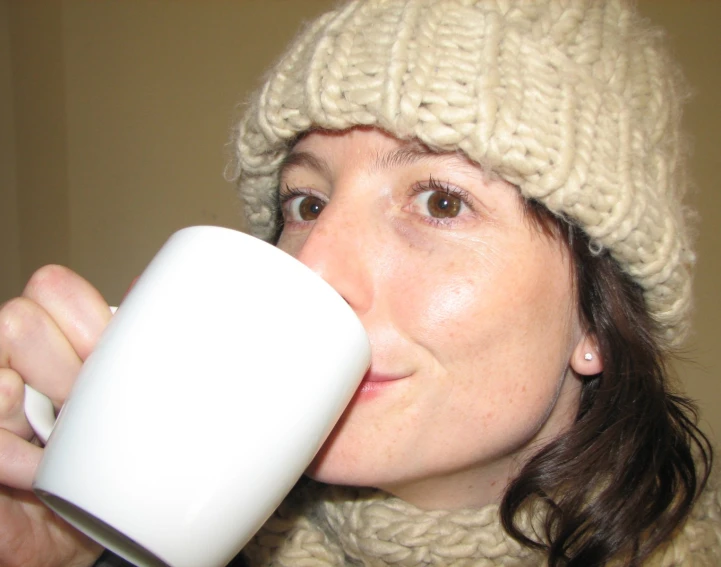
{"points": [[494, 187]]}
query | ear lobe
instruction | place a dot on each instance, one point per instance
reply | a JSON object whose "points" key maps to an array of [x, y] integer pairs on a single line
{"points": [[586, 359]]}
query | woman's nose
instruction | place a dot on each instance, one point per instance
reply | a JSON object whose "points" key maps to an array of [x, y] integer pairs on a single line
{"points": [[338, 249]]}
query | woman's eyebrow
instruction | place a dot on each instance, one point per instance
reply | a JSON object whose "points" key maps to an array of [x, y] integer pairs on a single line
{"points": [[414, 152], [406, 155], [305, 160]]}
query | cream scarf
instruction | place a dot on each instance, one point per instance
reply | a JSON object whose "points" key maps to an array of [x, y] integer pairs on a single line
{"points": [[322, 526]]}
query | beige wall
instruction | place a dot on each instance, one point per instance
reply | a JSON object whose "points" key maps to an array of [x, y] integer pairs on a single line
{"points": [[9, 231], [118, 114], [114, 115], [151, 92], [692, 28], [39, 120]]}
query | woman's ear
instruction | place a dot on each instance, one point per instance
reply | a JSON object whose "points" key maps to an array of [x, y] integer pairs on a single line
{"points": [[586, 358]]}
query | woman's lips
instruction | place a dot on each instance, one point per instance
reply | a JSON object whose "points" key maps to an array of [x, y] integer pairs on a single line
{"points": [[372, 376], [375, 382]]}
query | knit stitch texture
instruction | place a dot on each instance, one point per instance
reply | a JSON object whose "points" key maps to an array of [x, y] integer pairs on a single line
{"points": [[573, 101], [322, 526]]}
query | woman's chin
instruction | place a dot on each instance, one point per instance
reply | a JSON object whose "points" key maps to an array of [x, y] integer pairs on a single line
{"points": [[331, 468], [323, 469]]}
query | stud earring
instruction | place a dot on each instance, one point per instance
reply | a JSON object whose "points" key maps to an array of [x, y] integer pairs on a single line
{"points": [[588, 356]]}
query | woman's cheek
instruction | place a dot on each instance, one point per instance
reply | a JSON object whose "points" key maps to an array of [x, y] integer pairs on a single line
{"points": [[443, 281], [442, 308]]}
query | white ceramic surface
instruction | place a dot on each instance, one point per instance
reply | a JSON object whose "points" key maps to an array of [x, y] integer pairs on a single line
{"points": [[212, 388]]}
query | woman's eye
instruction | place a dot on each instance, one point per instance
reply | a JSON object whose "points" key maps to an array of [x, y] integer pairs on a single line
{"points": [[440, 204], [303, 208]]}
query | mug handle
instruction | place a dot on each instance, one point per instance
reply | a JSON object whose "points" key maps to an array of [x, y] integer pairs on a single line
{"points": [[39, 410]]}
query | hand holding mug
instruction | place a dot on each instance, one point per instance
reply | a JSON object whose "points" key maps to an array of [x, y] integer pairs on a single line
{"points": [[44, 336], [209, 393]]}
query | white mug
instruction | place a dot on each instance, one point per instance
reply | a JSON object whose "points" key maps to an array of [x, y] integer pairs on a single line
{"points": [[209, 393]]}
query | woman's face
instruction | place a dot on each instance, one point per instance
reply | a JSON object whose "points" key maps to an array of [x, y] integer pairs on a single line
{"points": [[469, 307]]}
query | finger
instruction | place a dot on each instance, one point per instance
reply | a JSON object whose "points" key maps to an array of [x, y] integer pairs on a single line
{"points": [[18, 461], [12, 413], [78, 309], [33, 345]]}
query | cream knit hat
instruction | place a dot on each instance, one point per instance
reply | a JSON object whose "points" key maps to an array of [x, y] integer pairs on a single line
{"points": [[573, 101]]}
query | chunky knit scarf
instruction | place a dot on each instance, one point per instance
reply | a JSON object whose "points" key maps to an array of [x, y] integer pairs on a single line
{"points": [[322, 526]]}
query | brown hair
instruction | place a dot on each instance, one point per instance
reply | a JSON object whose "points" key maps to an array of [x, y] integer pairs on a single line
{"points": [[628, 471]]}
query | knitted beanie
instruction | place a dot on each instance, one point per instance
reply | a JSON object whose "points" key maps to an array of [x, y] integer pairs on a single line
{"points": [[573, 101]]}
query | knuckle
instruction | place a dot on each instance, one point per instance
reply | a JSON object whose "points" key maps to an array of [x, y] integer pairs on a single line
{"points": [[47, 280], [17, 316], [11, 394]]}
